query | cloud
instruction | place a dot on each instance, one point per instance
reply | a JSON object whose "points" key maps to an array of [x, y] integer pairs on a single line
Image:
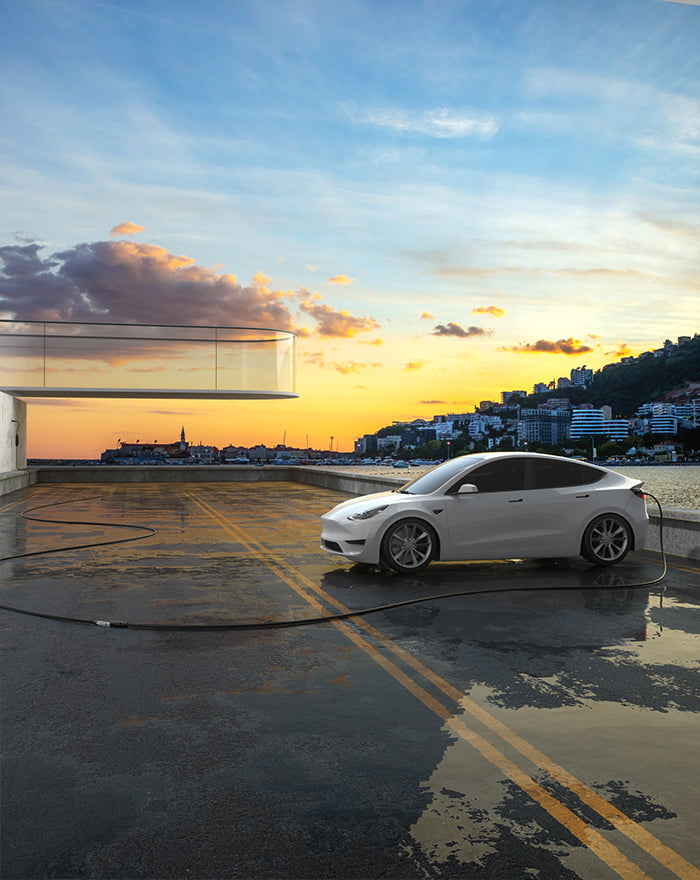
{"points": [[595, 272], [438, 123], [561, 346], [622, 350], [134, 282], [340, 279], [494, 311], [339, 324], [317, 359], [453, 329], [350, 367], [127, 282], [426, 316], [128, 228], [415, 365]]}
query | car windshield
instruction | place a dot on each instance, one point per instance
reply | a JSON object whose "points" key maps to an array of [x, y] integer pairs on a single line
{"points": [[430, 482]]}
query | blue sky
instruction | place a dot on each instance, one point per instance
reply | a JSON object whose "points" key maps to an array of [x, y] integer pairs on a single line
{"points": [[408, 165]]}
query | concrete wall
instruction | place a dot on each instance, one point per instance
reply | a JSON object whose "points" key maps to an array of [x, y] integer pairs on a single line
{"points": [[681, 528], [681, 531], [326, 477], [13, 444]]}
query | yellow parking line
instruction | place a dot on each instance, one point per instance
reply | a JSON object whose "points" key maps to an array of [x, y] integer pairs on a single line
{"points": [[670, 564], [591, 838]]}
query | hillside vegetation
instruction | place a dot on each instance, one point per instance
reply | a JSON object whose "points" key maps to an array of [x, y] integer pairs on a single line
{"points": [[625, 387]]}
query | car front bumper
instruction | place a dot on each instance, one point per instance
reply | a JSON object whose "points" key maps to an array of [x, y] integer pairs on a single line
{"points": [[357, 541]]}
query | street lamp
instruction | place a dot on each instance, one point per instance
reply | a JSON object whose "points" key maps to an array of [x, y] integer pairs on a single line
{"points": [[448, 449]]}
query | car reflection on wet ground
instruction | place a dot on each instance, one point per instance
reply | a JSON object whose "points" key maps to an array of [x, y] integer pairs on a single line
{"points": [[545, 726]]}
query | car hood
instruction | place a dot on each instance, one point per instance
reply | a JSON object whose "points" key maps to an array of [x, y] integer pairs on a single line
{"points": [[364, 502]]}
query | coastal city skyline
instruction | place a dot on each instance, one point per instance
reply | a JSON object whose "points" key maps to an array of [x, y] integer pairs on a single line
{"points": [[443, 200], [549, 421]]}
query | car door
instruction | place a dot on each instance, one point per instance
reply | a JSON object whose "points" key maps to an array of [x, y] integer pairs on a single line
{"points": [[491, 523], [562, 499]]}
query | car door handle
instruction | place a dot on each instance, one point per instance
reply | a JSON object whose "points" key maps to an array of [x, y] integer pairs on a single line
{"points": [[514, 500], [584, 496]]}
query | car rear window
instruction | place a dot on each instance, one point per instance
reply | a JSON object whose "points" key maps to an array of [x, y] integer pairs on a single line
{"points": [[547, 474]]}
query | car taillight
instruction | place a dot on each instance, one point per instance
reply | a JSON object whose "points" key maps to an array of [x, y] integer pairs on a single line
{"points": [[638, 492]]}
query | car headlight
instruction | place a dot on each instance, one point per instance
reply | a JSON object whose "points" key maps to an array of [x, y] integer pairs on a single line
{"points": [[368, 514]]}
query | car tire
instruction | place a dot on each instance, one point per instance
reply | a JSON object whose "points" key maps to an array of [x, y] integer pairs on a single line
{"points": [[607, 540], [409, 545]]}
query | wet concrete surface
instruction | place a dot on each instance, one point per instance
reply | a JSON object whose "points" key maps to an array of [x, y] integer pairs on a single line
{"points": [[510, 734]]}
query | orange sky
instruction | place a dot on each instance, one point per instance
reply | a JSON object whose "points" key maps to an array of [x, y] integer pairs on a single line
{"points": [[343, 403]]}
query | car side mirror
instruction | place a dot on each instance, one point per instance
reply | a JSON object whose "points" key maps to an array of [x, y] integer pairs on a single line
{"points": [[467, 489]]}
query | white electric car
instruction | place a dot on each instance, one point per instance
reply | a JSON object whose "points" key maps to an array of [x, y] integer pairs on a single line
{"points": [[499, 505]]}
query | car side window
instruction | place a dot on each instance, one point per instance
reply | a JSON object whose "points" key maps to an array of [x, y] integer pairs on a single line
{"points": [[503, 475], [547, 474]]}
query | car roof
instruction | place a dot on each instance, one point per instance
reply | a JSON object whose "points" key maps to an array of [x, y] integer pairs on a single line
{"points": [[515, 453]]}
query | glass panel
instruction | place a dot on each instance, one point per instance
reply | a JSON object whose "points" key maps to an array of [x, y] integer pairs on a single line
{"points": [[255, 365], [22, 360], [128, 363], [130, 331], [142, 357]]}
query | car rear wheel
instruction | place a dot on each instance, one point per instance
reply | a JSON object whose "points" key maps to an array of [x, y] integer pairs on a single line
{"points": [[607, 540], [409, 546]]}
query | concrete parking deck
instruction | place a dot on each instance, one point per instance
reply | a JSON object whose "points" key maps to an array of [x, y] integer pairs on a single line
{"points": [[511, 734]]}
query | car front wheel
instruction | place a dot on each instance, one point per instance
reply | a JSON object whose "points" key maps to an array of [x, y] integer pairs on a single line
{"points": [[607, 540], [409, 546]]}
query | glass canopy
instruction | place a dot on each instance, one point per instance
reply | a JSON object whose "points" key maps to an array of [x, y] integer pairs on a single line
{"points": [[61, 359]]}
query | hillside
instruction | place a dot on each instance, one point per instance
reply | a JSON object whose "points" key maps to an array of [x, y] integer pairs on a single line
{"points": [[674, 377]]}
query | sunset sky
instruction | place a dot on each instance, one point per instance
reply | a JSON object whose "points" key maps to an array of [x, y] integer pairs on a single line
{"points": [[445, 199]]}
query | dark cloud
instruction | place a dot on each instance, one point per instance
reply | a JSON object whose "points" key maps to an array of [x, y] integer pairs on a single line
{"points": [[130, 282], [133, 282], [453, 329], [561, 346]]}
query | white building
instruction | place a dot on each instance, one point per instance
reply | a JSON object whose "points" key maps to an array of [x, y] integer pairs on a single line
{"points": [[597, 422], [616, 429], [204, 454], [394, 442], [581, 376], [445, 431]]}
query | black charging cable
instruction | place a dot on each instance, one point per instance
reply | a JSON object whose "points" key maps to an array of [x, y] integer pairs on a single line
{"points": [[275, 624]]}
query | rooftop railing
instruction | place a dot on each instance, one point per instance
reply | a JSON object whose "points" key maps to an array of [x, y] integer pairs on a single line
{"points": [[62, 359]]}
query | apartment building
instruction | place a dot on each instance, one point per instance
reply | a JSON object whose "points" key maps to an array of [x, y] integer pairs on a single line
{"points": [[544, 426]]}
